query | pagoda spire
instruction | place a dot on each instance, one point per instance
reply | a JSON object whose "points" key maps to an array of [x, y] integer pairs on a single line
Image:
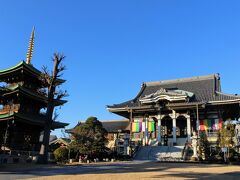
{"points": [[30, 47]]}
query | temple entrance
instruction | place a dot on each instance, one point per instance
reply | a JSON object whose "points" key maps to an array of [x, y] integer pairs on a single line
{"points": [[181, 127], [165, 131], [181, 131], [167, 127]]}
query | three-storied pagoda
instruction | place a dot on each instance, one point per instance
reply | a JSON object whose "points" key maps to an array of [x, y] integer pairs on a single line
{"points": [[167, 112], [22, 105]]}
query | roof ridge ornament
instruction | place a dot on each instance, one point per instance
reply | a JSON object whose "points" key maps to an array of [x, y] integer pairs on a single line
{"points": [[167, 95], [30, 47], [161, 90], [181, 80]]}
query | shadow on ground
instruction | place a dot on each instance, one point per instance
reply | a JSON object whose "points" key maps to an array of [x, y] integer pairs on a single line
{"points": [[163, 170]]}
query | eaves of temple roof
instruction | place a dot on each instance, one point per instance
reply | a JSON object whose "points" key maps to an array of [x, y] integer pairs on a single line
{"points": [[111, 126], [206, 90], [26, 92], [22, 67], [31, 119]]}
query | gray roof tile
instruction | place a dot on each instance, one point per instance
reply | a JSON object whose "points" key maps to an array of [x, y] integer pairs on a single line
{"points": [[205, 89]]}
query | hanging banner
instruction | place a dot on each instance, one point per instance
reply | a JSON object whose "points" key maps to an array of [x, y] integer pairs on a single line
{"points": [[205, 123], [210, 124], [135, 127], [140, 126], [215, 124], [143, 126], [201, 128], [151, 127], [220, 123]]}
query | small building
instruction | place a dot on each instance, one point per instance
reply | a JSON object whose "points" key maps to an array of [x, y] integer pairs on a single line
{"points": [[167, 112], [59, 142], [118, 135], [118, 132]]}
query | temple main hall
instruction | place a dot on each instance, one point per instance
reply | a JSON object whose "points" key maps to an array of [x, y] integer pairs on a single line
{"points": [[168, 112]]}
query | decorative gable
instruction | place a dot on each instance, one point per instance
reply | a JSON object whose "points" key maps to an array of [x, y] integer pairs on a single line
{"points": [[167, 95]]}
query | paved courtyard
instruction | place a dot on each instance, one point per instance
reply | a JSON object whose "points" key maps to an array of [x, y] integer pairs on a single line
{"points": [[123, 170]]}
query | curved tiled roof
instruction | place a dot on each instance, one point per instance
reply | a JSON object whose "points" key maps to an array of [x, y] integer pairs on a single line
{"points": [[32, 119], [110, 126], [38, 97], [205, 89], [22, 65], [116, 125]]}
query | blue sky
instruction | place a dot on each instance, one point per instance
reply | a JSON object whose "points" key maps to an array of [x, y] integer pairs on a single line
{"points": [[114, 46]]}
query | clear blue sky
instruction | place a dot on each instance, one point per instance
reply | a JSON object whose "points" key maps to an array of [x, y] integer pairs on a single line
{"points": [[113, 46]]}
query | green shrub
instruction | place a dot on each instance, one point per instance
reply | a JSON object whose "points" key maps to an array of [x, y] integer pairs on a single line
{"points": [[204, 147], [61, 154]]}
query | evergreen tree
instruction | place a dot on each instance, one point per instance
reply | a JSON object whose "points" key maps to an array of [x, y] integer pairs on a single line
{"points": [[226, 135], [89, 137], [204, 147], [225, 140]]}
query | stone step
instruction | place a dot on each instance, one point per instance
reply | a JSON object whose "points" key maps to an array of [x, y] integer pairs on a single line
{"points": [[159, 153]]}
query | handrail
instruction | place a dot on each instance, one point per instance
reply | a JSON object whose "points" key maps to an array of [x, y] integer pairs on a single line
{"points": [[134, 153]]}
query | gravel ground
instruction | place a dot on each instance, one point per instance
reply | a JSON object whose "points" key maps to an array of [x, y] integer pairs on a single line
{"points": [[138, 170]]}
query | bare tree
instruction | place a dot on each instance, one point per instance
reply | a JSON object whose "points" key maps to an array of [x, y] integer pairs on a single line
{"points": [[51, 81]]}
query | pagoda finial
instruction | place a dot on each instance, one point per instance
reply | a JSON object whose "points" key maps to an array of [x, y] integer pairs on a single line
{"points": [[30, 47]]}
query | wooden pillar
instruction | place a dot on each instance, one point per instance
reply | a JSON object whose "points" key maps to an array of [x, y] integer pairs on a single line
{"points": [[198, 122], [146, 130], [174, 127], [131, 121], [159, 129], [188, 128]]}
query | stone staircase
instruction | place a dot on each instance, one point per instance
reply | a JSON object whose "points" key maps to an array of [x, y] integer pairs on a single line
{"points": [[159, 153]]}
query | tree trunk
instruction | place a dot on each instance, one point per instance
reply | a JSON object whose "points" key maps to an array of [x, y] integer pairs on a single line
{"points": [[43, 154]]}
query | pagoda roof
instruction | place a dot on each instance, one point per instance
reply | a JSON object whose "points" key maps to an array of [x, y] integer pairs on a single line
{"points": [[202, 90], [22, 66], [18, 88], [31, 119]]}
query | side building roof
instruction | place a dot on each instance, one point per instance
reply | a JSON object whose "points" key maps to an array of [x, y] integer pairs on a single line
{"points": [[111, 126], [116, 125]]}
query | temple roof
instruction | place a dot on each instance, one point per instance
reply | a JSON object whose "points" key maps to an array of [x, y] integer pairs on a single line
{"points": [[116, 125], [206, 89], [31, 119], [22, 67], [110, 125], [18, 88], [65, 141]]}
